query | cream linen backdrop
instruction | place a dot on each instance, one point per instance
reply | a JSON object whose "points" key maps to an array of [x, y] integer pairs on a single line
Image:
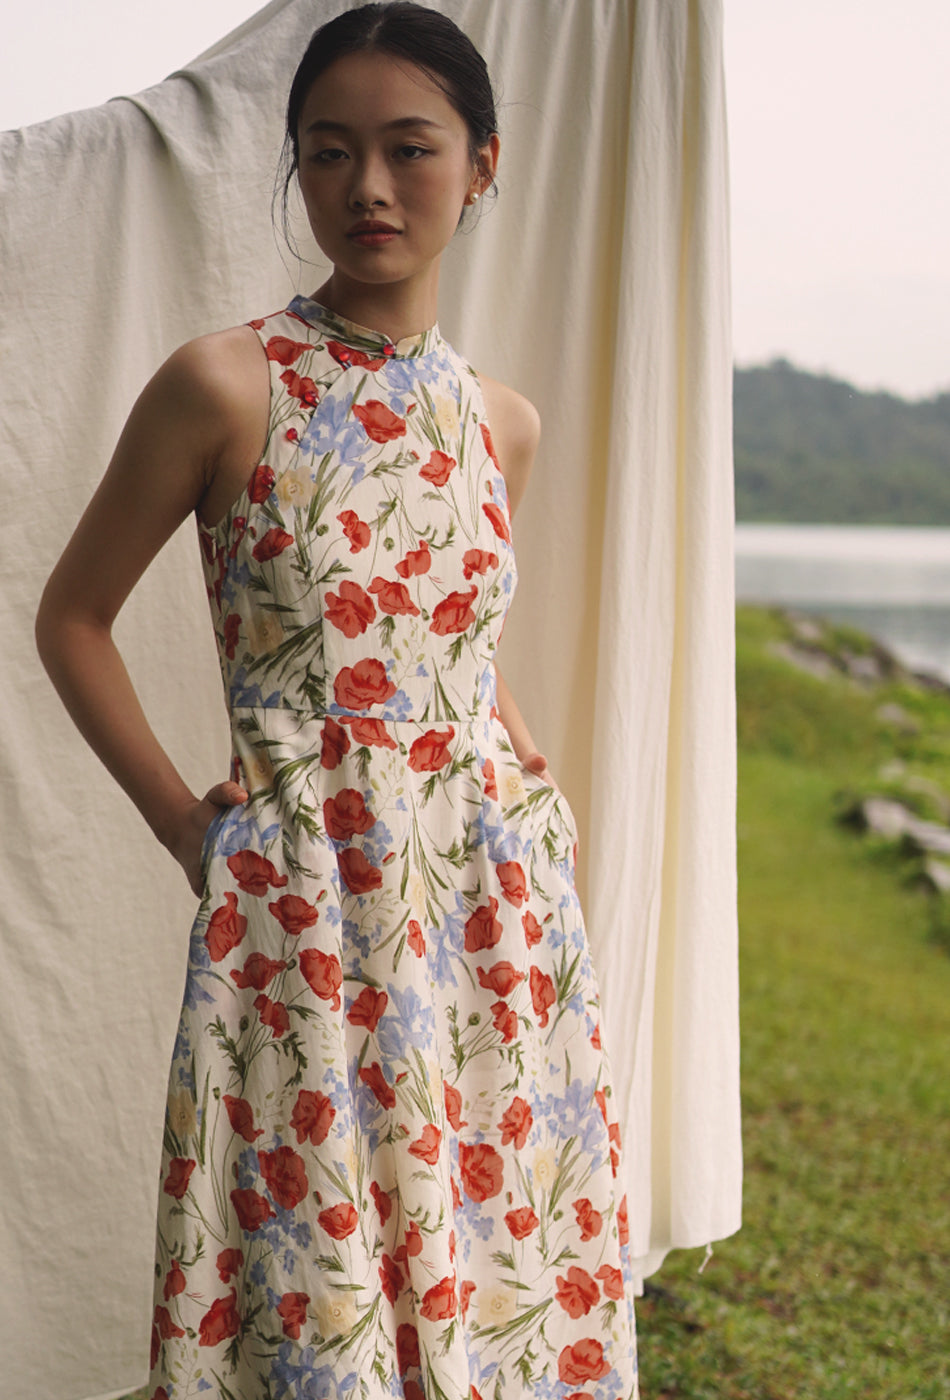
{"points": [[599, 286]]}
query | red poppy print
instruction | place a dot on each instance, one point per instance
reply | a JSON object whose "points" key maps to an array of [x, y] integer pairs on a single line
{"points": [[407, 1348], [258, 971], [532, 929], [374, 1078], [426, 1145], [312, 1116], [334, 743], [591, 1221], [349, 357], [293, 913], [623, 1223], [174, 1281], [254, 873], [481, 1169], [179, 1175], [366, 683], [393, 597], [513, 884], [292, 1311], [251, 1208], [505, 1020], [416, 561], [367, 1008], [466, 1289], [414, 1241], [283, 1171], [273, 1014], [226, 928], [391, 1278], [241, 1117], [440, 1302], [347, 815], [262, 483], [454, 613], [431, 751], [611, 1281], [220, 1322], [453, 1106], [324, 974], [379, 422], [521, 1222], [166, 1328], [284, 350], [482, 929], [232, 633], [584, 1361], [577, 1292], [595, 1037], [488, 773], [382, 1201], [300, 387], [478, 561], [351, 610], [339, 1221], [516, 1122], [371, 732], [358, 874], [415, 939], [438, 469], [356, 530], [543, 995], [228, 1262], [601, 1101], [501, 979], [489, 443], [272, 544], [498, 522]]}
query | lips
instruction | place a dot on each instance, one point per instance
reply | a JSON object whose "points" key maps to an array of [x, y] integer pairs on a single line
{"points": [[372, 232]]}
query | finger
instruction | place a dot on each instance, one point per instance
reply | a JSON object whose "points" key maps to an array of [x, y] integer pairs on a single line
{"points": [[536, 762], [227, 794]]}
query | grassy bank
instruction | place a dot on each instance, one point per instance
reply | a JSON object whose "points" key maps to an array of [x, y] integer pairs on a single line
{"points": [[839, 1283]]}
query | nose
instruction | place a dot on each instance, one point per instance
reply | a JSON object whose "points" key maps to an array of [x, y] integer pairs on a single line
{"points": [[371, 186]]}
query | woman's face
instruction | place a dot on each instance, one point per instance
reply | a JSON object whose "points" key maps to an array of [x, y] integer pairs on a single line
{"points": [[381, 145]]}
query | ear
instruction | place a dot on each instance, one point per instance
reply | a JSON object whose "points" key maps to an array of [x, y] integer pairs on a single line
{"points": [[486, 164]]}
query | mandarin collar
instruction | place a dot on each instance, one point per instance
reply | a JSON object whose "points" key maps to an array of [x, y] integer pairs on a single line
{"points": [[361, 337]]}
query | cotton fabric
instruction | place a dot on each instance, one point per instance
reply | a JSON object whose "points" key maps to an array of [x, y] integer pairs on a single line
{"points": [[390, 1156], [597, 285]]}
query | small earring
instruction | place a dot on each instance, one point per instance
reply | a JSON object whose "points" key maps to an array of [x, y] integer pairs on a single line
{"points": [[476, 194]]}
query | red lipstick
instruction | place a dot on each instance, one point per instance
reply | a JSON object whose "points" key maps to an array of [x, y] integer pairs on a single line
{"points": [[372, 233]]}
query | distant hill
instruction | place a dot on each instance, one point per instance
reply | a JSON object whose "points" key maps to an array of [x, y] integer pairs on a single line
{"points": [[810, 448]]}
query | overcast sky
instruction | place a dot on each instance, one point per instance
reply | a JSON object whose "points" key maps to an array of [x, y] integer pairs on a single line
{"points": [[839, 129]]}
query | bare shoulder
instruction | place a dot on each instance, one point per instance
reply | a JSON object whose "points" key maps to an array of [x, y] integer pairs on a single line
{"points": [[224, 372], [218, 387], [516, 431]]}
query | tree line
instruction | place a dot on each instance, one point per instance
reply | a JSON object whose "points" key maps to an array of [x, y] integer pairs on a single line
{"points": [[810, 448]]}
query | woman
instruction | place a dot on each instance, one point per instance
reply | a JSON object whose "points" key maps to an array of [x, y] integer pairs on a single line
{"points": [[390, 1150]]}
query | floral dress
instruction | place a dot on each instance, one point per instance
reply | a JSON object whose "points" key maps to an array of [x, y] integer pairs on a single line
{"points": [[391, 1148]]}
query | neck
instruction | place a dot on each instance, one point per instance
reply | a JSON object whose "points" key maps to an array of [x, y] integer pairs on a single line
{"points": [[397, 309]]}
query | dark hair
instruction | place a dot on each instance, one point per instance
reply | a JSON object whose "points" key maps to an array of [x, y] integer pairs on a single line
{"points": [[423, 37]]}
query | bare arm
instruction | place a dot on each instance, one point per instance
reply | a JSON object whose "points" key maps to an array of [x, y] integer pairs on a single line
{"points": [[186, 442], [516, 431]]}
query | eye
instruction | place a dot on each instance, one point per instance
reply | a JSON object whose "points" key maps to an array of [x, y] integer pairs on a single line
{"points": [[330, 155], [412, 152]]}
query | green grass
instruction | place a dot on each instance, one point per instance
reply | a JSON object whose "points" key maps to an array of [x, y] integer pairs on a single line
{"points": [[838, 1284]]}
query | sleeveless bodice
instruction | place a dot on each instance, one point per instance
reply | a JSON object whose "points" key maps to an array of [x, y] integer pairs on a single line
{"points": [[367, 568]]}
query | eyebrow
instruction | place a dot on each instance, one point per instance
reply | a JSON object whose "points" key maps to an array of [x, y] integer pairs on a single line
{"points": [[399, 124]]}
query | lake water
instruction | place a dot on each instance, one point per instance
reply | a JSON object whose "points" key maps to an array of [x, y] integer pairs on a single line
{"points": [[891, 581]]}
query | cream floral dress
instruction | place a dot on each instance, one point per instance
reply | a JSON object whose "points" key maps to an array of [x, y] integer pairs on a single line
{"points": [[391, 1147]]}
